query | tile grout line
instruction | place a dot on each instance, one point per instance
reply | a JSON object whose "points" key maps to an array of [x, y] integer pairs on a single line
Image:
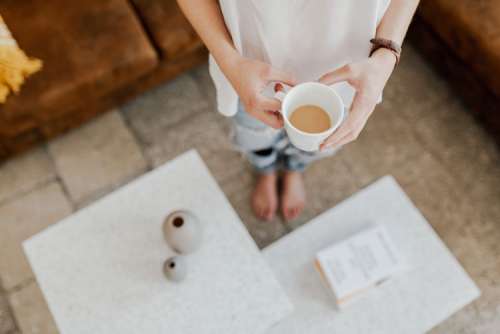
{"points": [[20, 286], [27, 282], [10, 310], [100, 193], [15, 289], [143, 143], [8, 293], [138, 140], [23, 193], [38, 185], [60, 180]]}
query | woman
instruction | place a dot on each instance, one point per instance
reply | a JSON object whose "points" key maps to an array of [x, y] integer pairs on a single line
{"points": [[351, 44]]}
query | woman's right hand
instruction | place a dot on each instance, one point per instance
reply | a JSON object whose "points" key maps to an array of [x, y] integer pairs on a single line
{"points": [[249, 78]]}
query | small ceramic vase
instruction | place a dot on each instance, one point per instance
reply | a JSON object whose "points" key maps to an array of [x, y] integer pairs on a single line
{"points": [[174, 269], [182, 231]]}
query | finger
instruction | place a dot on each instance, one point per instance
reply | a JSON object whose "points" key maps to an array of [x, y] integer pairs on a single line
{"points": [[282, 76], [361, 109], [337, 135], [343, 73], [268, 103], [270, 118], [276, 114], [345, 140]]}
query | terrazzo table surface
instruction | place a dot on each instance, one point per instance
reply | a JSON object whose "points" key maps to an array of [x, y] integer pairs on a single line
{"points": [[434, 286], [100, 269]]}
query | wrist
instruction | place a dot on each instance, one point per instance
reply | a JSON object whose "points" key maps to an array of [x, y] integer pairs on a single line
{"points": [[385, 57], [388, 45], [227, 57]]}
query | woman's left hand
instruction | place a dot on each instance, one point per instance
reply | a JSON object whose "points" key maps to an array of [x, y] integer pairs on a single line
{"points": [[368, 77]]}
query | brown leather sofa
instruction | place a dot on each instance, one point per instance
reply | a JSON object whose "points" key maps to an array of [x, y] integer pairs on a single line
{"points": [[462, 39], [97, 54]]}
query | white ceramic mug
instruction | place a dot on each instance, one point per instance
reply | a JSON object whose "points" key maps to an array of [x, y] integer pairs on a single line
{"points": [[310, 93]]}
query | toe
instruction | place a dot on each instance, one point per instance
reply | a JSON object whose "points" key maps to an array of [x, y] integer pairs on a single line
{"points": [[294, 212], [267, 214], [284, 211], [259, 212], [272, 212], [299, 210]]}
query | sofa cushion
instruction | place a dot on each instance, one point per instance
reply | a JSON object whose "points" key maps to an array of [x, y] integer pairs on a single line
{"points": [[170, 30], [89, 49], [471, 28]]}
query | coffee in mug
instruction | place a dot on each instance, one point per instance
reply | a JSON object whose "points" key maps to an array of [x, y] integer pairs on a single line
{"points": [[310, 119], [318, 108]]}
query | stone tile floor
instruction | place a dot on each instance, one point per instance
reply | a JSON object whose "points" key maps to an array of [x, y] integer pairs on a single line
{"points": [[421, 134]]}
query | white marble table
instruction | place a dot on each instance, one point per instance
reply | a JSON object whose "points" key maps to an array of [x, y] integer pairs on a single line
{"points": [[432, 289], [100, 269]]}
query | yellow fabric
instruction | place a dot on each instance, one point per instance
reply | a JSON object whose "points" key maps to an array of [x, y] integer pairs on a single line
{"points": [[15, 66]]}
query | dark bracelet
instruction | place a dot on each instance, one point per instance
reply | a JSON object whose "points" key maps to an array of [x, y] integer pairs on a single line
{"points": [[382, 43]]}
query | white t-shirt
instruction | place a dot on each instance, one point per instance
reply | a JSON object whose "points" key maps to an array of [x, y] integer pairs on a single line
{"points": [[305, 37]]}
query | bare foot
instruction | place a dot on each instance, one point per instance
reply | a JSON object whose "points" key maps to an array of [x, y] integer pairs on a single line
{"points": [[293, 198], [265, 197]]}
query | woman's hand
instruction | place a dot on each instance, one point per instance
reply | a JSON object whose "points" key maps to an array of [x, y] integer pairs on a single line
{"points": [[368, 77], [249, 78]]}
